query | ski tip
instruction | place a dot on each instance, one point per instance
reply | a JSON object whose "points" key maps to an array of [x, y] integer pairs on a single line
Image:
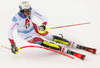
{"points": [[94, 51], [80, 56], [91, 50], [83, 57]]}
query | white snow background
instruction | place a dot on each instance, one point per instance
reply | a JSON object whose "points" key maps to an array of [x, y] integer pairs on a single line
{"points": [[59, 13]]}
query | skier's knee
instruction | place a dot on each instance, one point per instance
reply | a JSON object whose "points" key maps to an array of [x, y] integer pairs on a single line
{"points": [[36, 40]]}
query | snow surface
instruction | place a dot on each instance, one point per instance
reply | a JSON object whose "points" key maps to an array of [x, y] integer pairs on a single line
{"points": [[58, 12]]}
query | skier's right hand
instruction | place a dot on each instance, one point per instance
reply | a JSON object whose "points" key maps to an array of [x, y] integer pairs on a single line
{"points": [[42, 27], [14, 49]]}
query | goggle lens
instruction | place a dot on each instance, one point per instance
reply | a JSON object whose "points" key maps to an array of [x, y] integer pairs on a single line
{"points": [[27, 10]]}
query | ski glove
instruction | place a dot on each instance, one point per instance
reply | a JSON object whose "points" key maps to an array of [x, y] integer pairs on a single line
{"points": [[42, 27], [14, 49]]}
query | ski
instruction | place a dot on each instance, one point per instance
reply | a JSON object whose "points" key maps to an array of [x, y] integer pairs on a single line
{"points": [[91, 50], [78, 55]]}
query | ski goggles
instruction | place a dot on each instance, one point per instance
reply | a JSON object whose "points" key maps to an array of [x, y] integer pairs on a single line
{"points": [[27, 10]]}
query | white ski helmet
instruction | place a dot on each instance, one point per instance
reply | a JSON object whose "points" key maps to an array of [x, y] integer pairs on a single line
{"points": [[24, 6]]}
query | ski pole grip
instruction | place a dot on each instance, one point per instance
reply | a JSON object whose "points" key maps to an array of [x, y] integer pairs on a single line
{"points": [[43, 31]]}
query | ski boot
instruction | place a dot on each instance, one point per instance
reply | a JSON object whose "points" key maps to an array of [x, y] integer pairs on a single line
{"points": [[51, 45], [61, 40]]}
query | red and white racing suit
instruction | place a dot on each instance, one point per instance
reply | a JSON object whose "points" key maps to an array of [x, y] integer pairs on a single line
{"points": [[26, 29]]}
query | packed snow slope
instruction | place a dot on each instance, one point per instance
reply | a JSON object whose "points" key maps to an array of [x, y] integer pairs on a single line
{"points": [[59, 13]]}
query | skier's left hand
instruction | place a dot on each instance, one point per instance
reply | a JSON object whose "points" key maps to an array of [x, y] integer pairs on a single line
{"points": [[14, 48], [42, 27]]}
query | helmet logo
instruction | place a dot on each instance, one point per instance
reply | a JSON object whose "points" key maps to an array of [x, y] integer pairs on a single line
{"points": [[27, 6], [24, 2]]}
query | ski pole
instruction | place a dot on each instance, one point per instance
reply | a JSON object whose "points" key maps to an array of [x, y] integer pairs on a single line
{"points": [[62, 27], [42, 48], [69, 25], [5, 47]]}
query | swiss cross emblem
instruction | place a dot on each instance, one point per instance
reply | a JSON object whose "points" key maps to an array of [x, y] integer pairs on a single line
{"points": [[26, 21]]}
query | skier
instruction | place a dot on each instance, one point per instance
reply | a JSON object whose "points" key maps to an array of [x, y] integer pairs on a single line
{"points": [[30, 31]]}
